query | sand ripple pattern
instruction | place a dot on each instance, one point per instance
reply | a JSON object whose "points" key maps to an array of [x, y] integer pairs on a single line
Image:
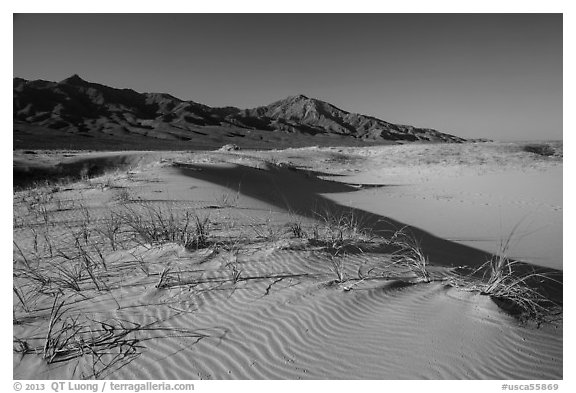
{"points": [[306, 330]]}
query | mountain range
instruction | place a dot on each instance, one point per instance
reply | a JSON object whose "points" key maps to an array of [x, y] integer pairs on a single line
{"points": [[74, 113]]}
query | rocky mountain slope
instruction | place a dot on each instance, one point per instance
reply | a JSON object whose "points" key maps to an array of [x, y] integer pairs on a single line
{"points": [[75, 111], [302, 114]]}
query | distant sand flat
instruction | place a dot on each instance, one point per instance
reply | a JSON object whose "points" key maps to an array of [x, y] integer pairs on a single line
{"points": [[479, 210]]}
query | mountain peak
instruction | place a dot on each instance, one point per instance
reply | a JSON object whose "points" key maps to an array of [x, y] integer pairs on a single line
{"points": [[74, 80], [297, 97]]}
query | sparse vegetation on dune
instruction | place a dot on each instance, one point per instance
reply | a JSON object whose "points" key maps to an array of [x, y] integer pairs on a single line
{"points": [[297, 229], [541, 149], [513, 285], [342, 232], [67, 258], [227, 199], [409, 254], [76, 270], [266, 229], [516, 291], [153, 225], [108, 344]]}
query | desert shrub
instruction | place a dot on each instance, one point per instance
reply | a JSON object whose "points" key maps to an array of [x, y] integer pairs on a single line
{"points": [[229, 147], [339, 158], [540, 149]]}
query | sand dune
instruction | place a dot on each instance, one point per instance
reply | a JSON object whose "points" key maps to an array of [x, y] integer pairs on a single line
{"points": [[373, 333], [257, 301]]}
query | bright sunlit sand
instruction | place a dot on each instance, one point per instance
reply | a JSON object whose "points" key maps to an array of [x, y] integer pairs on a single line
{"points": [[313, 263]]}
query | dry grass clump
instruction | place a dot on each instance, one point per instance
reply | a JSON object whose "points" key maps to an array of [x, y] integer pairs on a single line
{"points": [[233, 263], [297, 229], [340, 233], [516, 287], [409, 254], [338, 268], [267, 231], [227, 199], [76, 269], [296, 226], [111, 229], [154, 225], [518, 291]]}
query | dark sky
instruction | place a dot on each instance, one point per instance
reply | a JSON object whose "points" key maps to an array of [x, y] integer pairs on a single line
{"points": [[481, 75]]}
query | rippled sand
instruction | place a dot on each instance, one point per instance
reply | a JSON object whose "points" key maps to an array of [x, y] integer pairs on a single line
{"points": [[288, 318]]}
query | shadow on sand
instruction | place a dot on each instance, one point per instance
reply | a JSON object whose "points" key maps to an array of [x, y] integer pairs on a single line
{"points": [[301, 192]]}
